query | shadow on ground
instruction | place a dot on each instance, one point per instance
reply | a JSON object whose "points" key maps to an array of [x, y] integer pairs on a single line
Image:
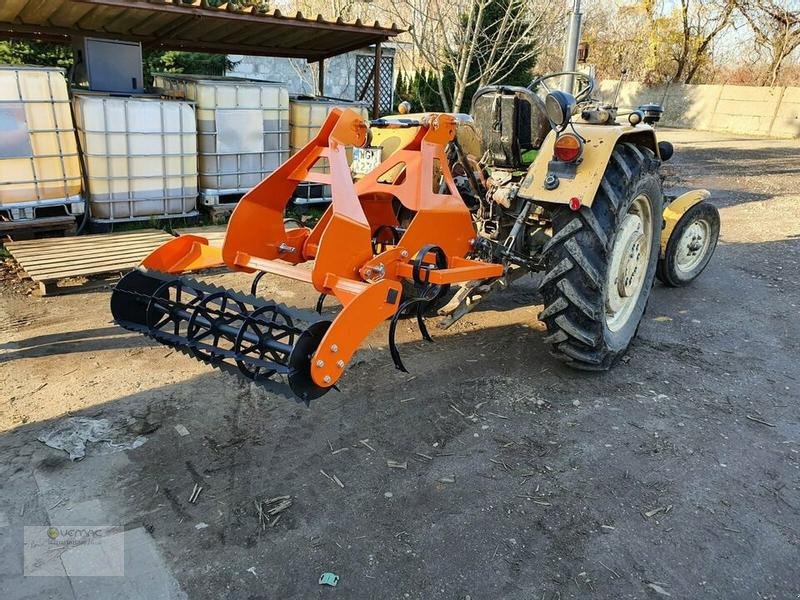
{"points": [[521, 478], [86, 340]]}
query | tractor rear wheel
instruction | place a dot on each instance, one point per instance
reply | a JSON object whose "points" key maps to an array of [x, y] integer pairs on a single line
{"points": [[601, 262]]}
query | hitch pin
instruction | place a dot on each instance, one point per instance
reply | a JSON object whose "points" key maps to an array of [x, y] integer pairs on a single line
{"points": [[286, 248]]}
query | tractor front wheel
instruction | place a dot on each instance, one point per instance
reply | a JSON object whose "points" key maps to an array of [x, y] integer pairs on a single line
{"points": [[690, 246], [601, 262]]}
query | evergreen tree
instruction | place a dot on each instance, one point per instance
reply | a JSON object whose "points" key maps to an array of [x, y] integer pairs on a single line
{"points": [[35, 53], [421, 90]]}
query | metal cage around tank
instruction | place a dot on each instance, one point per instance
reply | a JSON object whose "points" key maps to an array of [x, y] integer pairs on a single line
{"points": [[242, 130], [39, 160], [140, 154]]}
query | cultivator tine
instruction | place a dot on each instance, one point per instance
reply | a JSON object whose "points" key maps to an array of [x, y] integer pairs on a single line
{"points": [[320, 302], [256, 280], [423, 329], [427, 294], [393, 351], [420, 304]]}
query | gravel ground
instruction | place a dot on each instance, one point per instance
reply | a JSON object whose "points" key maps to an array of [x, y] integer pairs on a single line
{"points": [[674, 475]]}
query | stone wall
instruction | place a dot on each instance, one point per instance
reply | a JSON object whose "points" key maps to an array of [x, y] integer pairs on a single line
{"points": [[301, 77], [763, 111]]}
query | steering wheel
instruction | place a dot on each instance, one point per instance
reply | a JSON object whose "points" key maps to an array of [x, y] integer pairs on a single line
{"points": [[586, 83]]}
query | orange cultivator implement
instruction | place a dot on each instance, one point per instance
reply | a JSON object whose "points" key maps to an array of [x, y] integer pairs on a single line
{"points": [[403, 222]]}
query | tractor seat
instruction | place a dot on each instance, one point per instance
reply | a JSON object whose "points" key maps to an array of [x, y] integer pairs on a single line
{"points": [[511, 121]]}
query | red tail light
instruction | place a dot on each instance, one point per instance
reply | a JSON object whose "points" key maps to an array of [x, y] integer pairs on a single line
{"points": [[568, 148]]}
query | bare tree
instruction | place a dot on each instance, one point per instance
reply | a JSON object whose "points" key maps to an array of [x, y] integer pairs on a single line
{"points": [[776, 26], [464, 38], [618, 38], [701, 23], [657, 41], [469, 40]]}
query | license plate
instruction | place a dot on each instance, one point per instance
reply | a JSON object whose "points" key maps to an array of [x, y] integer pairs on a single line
{"points": [[365, 160]]}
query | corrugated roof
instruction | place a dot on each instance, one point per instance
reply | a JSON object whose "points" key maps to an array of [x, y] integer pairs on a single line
{"points": [[192, 25]]}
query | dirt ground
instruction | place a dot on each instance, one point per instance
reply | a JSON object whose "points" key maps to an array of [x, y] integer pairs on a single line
{"points": [[676, 475]]}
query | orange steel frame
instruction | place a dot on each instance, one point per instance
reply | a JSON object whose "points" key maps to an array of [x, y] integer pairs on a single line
{"points": [[367, 284]]}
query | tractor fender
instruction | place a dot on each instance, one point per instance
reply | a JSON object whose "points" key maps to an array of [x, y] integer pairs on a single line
{"points": [[675, 210], [599, 144]]}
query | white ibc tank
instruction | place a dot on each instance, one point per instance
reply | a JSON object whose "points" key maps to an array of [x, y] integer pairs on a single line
{"points": [[140, 155], [39, 161], [308, 113], [306, 116], [242, 129]]}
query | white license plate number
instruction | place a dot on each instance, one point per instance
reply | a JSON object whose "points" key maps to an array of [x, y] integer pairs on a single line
{"points": [[365, 160]]}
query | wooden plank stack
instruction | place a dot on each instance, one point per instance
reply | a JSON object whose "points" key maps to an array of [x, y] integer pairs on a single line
{"points": [[49, 260]]}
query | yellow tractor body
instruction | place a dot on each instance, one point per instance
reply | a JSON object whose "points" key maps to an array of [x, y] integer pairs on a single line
{"points": [[599, 144]]}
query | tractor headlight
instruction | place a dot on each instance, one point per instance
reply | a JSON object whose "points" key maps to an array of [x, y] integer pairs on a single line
{"points": [[558, 106]]}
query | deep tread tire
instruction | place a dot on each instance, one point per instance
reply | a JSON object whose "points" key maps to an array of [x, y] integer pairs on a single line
{"points": [[667, 272], [578, 258]]}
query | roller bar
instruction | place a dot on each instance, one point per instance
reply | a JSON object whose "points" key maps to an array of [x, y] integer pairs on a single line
{"points": [[235, 332]]}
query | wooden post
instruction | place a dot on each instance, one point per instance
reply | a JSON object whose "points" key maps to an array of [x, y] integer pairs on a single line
{"points": [[321, 77], [376, 90]]}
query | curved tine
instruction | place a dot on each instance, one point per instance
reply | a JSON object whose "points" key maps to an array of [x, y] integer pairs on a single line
{"points": [[320, 302], [395, 353], [423, 329], [256, 280]]}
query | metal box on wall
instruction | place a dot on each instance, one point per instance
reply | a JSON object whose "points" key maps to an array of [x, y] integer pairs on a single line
{"points": [[109, 65]]}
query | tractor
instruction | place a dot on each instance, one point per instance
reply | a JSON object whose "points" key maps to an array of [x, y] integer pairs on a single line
{"points": [[533, 180]]}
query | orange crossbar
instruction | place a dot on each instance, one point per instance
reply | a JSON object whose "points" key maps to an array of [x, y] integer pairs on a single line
{"points": [[463, 270], [272, 266]]}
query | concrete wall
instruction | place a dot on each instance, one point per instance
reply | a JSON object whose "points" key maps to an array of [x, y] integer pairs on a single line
{"points": [[763, 111]]}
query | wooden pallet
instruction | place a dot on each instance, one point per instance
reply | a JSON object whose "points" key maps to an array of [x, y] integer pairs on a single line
{"points": [[215, 234], [47, 261], [29, 229]]}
